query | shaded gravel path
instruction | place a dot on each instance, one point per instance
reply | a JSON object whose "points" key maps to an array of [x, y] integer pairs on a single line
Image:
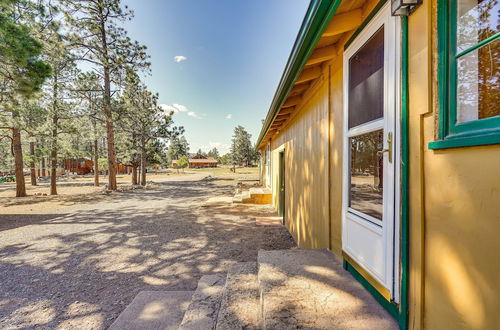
{"points": [[78, 265]]}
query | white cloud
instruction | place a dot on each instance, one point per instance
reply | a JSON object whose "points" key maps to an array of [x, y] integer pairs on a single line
{"points": [[168, 108], [222, 147], [180, 107], [180, 58], [176, 108], [193, 114], [218, 145], [229, 116]]}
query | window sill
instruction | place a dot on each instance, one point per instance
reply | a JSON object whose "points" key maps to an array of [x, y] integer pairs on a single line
{"points": [[478, 139]]}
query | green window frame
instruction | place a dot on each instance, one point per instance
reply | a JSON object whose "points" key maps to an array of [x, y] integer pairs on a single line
{"points": [[452, 134]]}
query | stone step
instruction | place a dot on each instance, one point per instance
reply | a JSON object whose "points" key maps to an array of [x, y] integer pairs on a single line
{"points": [[240, 305], [310, 289], [154, 310], [204, 307]]}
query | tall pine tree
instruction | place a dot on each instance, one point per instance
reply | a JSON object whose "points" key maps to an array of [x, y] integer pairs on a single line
{"points": [[96, 31]]}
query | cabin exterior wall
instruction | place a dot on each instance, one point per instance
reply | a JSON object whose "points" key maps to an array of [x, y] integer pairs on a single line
{"points": [[454, 194]]}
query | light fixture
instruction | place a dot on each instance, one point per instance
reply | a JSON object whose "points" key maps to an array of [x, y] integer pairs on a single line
{"points": [[404, 7]]}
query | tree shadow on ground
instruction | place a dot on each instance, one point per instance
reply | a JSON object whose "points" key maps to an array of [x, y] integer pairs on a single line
{"points": [[80, 269]]}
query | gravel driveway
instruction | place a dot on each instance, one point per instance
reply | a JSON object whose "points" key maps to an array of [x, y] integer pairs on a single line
{"points": [[76, 262]]}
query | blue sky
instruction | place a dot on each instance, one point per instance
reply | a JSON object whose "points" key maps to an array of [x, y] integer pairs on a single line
{"points": [[230, 57]]}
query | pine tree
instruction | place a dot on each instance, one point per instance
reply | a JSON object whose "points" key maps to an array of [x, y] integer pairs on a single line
{"points": [[143, 118], [21, 74], [214, 153], [90, 93], [242, 152], [178, 147], [60, 98], [103, 43]]}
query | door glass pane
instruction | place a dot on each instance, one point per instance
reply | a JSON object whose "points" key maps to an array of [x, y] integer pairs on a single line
{"points": [[366, 177], [366, 81], [478, 83], [476, 20]]}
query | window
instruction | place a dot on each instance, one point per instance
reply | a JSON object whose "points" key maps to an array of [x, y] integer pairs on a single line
{"points": [[469, 75]]}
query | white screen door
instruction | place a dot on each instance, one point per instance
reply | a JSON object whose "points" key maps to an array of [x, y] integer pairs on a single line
{"points": [[370, 141]]}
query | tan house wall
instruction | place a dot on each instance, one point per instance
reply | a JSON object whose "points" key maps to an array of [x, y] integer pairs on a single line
{"points": [[305, 142], [454, 195]]}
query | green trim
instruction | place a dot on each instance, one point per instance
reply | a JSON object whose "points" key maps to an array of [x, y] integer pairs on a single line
{"points": [[365, 22], [391, 307], [443, 51], [405, 174], [452, 134], [479, 45], [480, 139], [315, 22]]}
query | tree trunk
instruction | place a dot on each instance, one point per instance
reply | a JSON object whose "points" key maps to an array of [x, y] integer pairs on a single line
{"points": [[53, 152], [143, 167], [43, 167], [18, 160], [53, 171], [107, 107], [134, 174], [96, 164], [53, 159], [32, 164]]}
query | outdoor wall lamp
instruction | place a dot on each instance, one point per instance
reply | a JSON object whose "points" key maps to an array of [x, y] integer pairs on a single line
{"points": [[404, 7]]}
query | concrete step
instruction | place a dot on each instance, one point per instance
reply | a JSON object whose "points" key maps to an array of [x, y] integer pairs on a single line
{"points": [[205, 303], [246, 197], [261, 195], [260, 190], [240, 305], [237, 198], [310, 289], [255, 195], [154, 310], [269, 221]]}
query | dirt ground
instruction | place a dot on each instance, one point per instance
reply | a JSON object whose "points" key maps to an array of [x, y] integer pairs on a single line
{"points": [[84, 184], [76, 261]]}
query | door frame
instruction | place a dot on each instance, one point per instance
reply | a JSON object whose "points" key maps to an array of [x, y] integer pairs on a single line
{"points": [[392, 239], [281, 184]]}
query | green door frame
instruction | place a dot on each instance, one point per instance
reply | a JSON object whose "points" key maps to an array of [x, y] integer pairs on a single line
{"points": [[281, 185]]}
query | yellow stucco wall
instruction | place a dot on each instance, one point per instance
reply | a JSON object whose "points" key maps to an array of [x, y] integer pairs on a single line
{"points": [[455, 211], [454, 194]]}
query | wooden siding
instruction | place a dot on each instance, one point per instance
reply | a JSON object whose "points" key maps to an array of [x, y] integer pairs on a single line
{"points": [[305, 142]]}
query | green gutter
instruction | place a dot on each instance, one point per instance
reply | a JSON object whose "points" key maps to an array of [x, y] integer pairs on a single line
{"points": [[315, 22]]}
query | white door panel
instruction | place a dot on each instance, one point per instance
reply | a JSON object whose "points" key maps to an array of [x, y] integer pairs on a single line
{"points": [[370, 140]]}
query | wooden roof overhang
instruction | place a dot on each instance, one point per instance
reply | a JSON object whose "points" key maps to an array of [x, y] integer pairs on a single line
{"points": [[326, 27]]}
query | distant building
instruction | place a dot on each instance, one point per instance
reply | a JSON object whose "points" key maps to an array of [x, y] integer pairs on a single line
{"points": [[198, 161], [85, 165]]}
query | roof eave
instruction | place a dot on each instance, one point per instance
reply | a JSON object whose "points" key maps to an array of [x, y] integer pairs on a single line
{"points": [[315, 21]]}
